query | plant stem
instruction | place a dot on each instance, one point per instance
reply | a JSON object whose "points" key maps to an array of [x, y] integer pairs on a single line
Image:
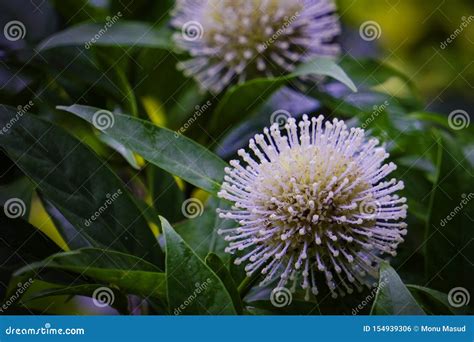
{"points": [[246, 285]]}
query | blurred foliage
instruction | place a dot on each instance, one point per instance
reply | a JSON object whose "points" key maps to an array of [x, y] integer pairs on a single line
{"points": [[412, 33]]}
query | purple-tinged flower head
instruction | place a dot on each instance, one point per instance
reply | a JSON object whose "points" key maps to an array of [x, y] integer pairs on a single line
{"points": [[312, 204], [232, 41]]}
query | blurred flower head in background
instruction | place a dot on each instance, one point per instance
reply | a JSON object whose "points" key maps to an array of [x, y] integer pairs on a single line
{"points": [[233, 41], [314, 200]]}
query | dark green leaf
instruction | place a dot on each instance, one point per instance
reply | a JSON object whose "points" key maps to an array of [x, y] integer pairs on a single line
{"points": [[200, 233], [393, 298], [449, 234], [432, 301], [126, 272], [129, 34], [193, 288], [124, 152], [216, 264], [168, 150], [79, 185], [119, 299]]}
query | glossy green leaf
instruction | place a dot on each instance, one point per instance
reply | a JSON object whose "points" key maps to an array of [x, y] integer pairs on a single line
{"points": [[122, 150], [168, 150], [216, 264], [432, 301], [81, 186], [193, 288], [392, 297], [129, 34], [123, 271]]}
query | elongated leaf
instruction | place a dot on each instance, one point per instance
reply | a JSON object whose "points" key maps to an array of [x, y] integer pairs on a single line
{"points": [[432, 301], [119, 34], [216, 264], [193, 288], [241, 100], [449, 235], [119, 299], [126, 272], [79, 185], [124, 152], [200, 233], [393, 298], [168, 150], [323, 66]]}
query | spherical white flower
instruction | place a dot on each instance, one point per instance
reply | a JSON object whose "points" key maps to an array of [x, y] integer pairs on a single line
{"points": [[236, 40], [312, 205]]}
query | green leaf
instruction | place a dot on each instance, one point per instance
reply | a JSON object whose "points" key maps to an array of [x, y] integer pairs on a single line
{"points": [[241, 100], [393, 298], [216, 264], [129, 34], [323, 66], [128, 273], [81, 186], [200, 233], [166, 149], [122, 150], [449, 235], [193, 288], [432, 301], [119, 299]]}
